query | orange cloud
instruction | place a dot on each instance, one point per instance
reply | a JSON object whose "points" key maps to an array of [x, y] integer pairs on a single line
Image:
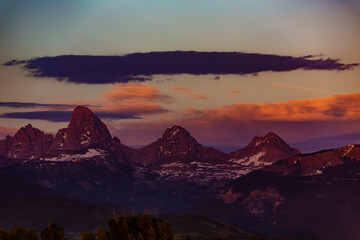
{"points": [[346, 106], [234, 91], [189, 92], [137, 99], [136, 92], [135, 108], [133, 99], [296, 120]]}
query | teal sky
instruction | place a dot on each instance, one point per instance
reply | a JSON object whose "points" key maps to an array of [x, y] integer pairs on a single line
{"points": [[33, 28]]}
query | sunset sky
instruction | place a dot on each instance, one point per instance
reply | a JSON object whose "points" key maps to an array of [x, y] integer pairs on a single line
{"points": [[311, 98]]}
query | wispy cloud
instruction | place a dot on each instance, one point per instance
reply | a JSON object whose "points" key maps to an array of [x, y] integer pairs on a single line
{"points": [[234, 91], [189, 92], [123, 101], [136, 92], [346, 106], [299, 87], [138, 67], [137, 99]]}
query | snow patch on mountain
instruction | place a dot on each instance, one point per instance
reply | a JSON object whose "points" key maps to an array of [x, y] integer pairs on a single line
{"points": [[76, 157], [258, 143], [201, 173], [85, 138], [174, 133], [348, 149], [253, 160]]}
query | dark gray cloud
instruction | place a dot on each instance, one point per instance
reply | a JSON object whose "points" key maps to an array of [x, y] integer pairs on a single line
{"points": [[140, 66], [38, 105], [62, 116]]}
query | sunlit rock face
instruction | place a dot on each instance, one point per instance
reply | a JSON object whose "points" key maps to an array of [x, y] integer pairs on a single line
{"points": [[85, 130], [27, 143], [177, 145], [262, 151]]}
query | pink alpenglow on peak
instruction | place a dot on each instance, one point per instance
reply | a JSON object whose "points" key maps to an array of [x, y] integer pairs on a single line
{"points": [[27, 143], [85, 130], [263, 151]]}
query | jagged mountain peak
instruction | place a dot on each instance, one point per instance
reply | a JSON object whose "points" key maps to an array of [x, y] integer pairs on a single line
{"points": [[269, 138], [83, 117], [263, 150], [271, 135], [28, 133], [27, 143], [178, 138], [177, 132], [177, 145], [28, 127], [84, 130], [82, 113]]}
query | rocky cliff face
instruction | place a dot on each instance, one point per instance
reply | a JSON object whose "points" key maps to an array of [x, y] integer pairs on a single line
{"points": [[85, 130], [262, 151], [177, 145], [27, 143]]}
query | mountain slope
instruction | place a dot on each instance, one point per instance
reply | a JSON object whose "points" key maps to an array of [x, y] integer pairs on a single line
{"points": [[316, 163], [177, 156], [309, 195]]}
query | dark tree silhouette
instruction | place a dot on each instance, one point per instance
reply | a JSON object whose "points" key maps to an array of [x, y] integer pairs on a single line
{"points": [[19, 234], [53, 232], [88, 236], [139, 227]]}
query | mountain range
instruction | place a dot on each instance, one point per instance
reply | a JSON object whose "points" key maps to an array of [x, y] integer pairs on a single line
{"points": [[266, 186]]}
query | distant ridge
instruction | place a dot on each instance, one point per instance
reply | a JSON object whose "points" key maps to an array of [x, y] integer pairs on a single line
{"points": [[87, 131]]}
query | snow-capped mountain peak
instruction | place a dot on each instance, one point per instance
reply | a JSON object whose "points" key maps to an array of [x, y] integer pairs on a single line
{"points": [[263, 150]]}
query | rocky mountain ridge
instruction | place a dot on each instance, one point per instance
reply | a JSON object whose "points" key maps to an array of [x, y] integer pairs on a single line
{"points": [[86, 131], [176, 156], [262, 151]]}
